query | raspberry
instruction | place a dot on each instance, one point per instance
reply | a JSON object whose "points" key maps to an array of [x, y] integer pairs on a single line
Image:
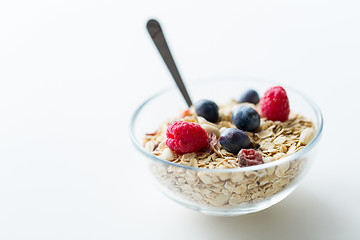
{"points": [[274, 105], [185, 137], [249, 157]]}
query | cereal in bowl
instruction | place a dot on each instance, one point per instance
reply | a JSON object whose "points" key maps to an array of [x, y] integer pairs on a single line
{"points": [[238, 134]]}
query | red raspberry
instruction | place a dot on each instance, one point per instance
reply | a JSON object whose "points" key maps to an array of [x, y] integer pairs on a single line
{"points": [[274, 105], [185, 137], [249, 157]]}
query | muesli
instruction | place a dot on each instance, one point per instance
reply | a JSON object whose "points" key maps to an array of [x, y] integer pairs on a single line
{"points": [[238, 134]]}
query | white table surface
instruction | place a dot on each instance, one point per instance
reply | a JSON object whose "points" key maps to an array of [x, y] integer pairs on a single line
{"points": [[73, 72]]}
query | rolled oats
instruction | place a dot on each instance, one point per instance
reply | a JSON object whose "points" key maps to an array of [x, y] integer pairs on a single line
{"points": [[205, 178], [210, 129], [237, 177], [274, 140], [307, 135], [167, 154]]}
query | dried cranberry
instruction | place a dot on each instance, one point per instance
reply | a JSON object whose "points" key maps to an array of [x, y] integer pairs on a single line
{"points": [[212, 141], [249, 157]]}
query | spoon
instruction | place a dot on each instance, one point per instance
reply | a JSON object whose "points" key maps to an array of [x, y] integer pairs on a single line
{"points": [[158, 38]]}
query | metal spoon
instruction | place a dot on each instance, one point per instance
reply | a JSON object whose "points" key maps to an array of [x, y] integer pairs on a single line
{"points": [[158, 37]]}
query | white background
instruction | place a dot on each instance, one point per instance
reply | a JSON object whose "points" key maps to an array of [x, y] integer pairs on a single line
{"points": [[73, 72]]}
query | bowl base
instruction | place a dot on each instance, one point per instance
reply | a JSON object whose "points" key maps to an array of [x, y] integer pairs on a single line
{"points": [[255, 207]]}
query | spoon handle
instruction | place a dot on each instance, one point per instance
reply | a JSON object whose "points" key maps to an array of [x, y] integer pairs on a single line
{"points": [[158, 37]]}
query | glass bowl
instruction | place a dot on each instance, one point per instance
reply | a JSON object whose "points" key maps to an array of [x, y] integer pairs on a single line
{"points": [[225, 192]]}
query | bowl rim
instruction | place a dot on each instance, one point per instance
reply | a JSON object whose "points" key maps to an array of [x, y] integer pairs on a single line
{"points": [[303, 151]]}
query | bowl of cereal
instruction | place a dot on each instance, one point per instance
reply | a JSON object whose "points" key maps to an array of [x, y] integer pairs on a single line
{"points": [[242, 147]]}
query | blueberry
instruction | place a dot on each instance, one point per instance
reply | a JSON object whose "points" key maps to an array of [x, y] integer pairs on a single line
{"points": [[250, 96], [246, 118], [233, 140], [207, 109]]}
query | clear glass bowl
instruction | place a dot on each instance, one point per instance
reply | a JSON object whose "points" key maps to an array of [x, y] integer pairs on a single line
{"points": [[226, 192]]}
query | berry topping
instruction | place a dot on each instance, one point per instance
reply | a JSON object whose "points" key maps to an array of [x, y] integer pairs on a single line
{"points": [[249, 157], [185, 137], [233, 140], [212, 141], [207, 109], [250, 96], [246, 118], [274, 105]]}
